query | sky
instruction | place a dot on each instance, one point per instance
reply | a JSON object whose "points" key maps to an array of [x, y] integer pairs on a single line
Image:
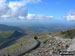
{"points": [[63, 10]]}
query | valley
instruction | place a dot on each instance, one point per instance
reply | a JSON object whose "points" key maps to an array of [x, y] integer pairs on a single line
{"points": [[19, 43]]}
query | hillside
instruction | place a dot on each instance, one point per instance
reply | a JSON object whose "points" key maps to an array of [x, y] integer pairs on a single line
{"points": [[11, 28], [23, 43], [49, 43], [66, 34], [4, 35], [9, 35], [45, 28]]}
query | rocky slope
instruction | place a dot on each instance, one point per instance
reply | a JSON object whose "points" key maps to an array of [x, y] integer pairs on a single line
{"points": [[51, 46]]}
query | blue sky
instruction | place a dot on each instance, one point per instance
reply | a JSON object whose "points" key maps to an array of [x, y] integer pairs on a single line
{"points": [[56, 8], [37, 9]]}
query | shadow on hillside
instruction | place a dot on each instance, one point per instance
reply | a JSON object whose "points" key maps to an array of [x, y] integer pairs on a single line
{"points": [[12, 39]]}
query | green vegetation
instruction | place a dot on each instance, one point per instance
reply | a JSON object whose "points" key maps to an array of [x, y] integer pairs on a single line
{"points": [[66, 34], [4, 35], [43, 36], [20, 43], [24, 40]]}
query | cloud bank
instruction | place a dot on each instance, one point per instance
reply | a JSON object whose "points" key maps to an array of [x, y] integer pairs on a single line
{"points": [[38, 17], [16, 10], [70, 16]]}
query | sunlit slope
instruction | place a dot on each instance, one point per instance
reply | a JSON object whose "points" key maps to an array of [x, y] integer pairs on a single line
{"points": [[67, 34], [24, 43], [11, 39]]}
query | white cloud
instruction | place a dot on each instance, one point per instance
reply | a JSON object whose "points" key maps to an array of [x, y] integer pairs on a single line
{"points": [[30, 16], [17, 4], [14, 9], [38, 17], [21, 17], [14, 5], [70, 16], [3, 9], [2, 2]]}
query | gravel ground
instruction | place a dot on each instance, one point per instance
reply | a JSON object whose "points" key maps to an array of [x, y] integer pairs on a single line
{"points": [[51, 47]]}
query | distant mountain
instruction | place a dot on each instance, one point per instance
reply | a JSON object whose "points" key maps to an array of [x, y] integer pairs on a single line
{"points": [[7, 38], [9, 34], [6, 27], [45, 27], [41, 26]]}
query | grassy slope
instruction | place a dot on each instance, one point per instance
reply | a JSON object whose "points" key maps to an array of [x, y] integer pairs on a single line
{"points": [[4, 35], [42, 36], [66, 34], [24, 40]]}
